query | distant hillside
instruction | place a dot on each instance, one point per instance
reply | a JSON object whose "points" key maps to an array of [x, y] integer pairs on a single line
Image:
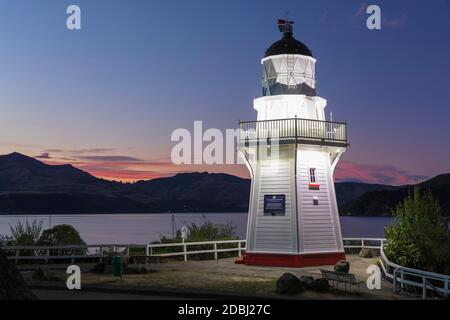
{"points": [[30, 186], [381, 202], [21, 173], [348, 191]]}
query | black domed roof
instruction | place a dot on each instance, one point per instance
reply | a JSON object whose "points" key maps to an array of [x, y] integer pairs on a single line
{"points": [[288, 44]]}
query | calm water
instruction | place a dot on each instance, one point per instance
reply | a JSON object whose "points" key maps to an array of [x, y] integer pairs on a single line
{"points": [[142, 228]]}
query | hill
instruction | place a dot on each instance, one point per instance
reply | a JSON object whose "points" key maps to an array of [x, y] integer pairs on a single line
{"points": [[31, 186]]}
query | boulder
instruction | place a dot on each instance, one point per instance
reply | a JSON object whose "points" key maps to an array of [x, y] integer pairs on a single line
{"points": [[366, 253], [342, 266], [307, 282], [288, 284], [320, 285]]}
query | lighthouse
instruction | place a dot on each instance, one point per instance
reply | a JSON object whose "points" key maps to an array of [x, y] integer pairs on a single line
{"points": [[293, 216]]}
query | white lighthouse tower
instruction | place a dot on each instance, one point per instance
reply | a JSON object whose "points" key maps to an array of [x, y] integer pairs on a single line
{"points": [[293, 215]]}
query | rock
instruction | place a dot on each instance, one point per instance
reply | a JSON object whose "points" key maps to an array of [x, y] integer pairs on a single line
{"points": [[342, 266], [12, 284], [320, 285], [307, 282], [288, 284], [366, 253], [99, 268]]}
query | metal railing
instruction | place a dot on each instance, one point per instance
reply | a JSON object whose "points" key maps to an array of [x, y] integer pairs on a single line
{"points": [[402, 277], [293, 130]]}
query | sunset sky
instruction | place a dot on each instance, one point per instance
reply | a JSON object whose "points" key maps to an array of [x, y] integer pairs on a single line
{"points": [[107, 98]]}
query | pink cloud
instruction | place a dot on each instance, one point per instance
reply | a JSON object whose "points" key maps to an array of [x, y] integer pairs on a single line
{"points": [[361, 10], [133, 171], [395, 23], [372, 173]]}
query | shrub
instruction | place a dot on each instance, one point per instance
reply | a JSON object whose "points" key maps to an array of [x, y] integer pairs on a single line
{"points": [[98, 268], [208, 231], [419, 238], [26, 234], [6, 241]]}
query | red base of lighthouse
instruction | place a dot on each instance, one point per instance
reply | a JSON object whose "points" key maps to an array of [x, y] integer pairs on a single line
{"points": [[291, 260]]}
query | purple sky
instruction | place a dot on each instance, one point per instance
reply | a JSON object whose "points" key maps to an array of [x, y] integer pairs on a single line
{"points": [[106, 98]]}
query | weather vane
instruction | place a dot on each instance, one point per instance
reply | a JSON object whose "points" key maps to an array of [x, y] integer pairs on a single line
{"points": [[285, 25]]}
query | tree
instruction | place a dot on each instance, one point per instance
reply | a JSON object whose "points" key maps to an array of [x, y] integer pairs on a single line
{"points": [[12, 284], [419, 238], [61, 235]]}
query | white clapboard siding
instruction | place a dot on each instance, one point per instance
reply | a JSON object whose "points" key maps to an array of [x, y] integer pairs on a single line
{"points": [[316, 227], [274, 233]]}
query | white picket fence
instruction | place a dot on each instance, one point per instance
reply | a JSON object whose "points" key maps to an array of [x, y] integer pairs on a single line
{"points": [[100, 251], [399, 276]]}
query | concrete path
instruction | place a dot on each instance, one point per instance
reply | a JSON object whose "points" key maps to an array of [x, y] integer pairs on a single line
{"points": [[223, 269], [358, 267]]}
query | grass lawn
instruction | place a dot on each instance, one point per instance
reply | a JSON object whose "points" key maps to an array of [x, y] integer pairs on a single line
{"points": [[172, 279]]}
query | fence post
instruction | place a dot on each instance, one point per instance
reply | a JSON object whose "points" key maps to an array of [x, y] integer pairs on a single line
{"points": [[47, 253], [239, 249], [215, 251], [185, 251], [446, 287], [424, 287], [394, 280], [401, 279], [100, 249], [72, 259], [17, 255], [362, 243]]}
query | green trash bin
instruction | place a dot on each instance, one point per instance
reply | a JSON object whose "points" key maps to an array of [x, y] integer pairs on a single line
{"points": [[117, 266]]}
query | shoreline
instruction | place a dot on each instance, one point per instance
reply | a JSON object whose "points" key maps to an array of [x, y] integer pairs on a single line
{"points": [[162, 213]]}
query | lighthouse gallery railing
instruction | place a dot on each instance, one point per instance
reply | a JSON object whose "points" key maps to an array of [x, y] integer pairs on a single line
{"points": [[294, 130]]}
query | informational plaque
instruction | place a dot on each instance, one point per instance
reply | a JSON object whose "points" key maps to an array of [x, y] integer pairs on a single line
{"points": [[274, 204]]}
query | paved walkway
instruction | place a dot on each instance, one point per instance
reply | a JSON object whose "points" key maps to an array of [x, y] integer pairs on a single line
{"points": [[358, 267], [225, 269]]}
